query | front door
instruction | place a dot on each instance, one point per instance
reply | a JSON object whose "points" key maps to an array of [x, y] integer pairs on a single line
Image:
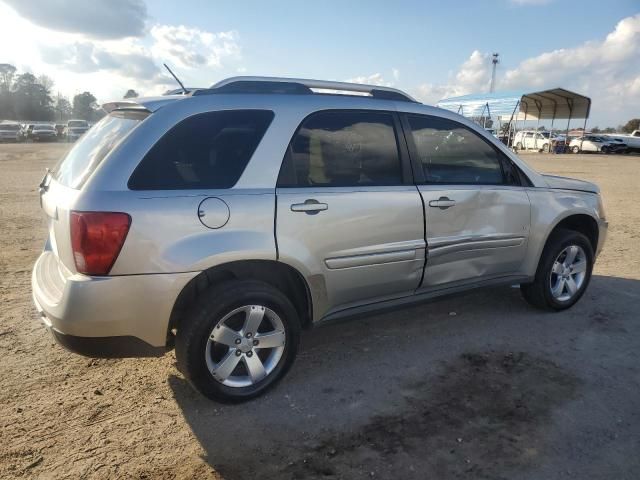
{"points": [[348, 214], [477, 213]]}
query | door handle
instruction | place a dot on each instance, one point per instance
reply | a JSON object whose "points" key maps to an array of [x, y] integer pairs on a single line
{"points": [[310, 207], [442, 203]]}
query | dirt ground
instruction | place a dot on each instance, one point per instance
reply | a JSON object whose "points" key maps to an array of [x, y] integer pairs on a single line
{"points": [[474, 386]]}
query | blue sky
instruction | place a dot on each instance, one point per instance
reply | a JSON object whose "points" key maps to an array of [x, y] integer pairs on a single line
{"points": [[430, 48], [424, 40]]}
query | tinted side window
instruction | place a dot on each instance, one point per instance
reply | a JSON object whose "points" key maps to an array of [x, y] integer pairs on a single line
{"points": [[451, 153], [208, 150], [343, 148]]}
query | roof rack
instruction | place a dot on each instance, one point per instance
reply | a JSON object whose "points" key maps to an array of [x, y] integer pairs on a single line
{"points": [[300, 86]]}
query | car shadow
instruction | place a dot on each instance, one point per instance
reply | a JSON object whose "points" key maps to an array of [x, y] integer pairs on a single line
{"points": [[445, 389]]}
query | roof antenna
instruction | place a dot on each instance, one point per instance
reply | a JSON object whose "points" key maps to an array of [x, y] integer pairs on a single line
{"points": [[177, 79]]}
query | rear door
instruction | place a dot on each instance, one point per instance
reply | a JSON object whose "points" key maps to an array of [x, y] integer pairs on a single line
{"points": [[348, 213], [476, 209]]}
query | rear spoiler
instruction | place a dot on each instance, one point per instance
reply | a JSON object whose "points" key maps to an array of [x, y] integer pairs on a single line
{"points": [[111, 106], [149, 104]]}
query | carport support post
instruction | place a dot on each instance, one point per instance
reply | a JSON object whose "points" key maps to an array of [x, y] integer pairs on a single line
{"points": [[553, 119], [514, 123], [570, 105], [584, 132]]}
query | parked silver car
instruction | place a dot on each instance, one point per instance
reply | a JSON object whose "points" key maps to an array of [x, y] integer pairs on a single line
{"points": [[41, 132], [595, 143], [10, 132], [75, 129], [225, 221]]}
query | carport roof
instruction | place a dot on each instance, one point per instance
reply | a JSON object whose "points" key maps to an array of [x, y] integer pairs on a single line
{"points": [[555, 103]]}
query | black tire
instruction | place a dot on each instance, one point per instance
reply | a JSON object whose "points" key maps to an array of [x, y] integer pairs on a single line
{"points": [[575, 149], [518, 146], [545, 148], [539, 293], [209, 308]]}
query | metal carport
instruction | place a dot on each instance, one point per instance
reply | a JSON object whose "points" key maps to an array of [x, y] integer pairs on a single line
{"points": [[556, 103]]}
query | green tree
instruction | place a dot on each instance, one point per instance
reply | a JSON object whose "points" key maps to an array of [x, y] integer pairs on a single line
{"points": [[131, 94], [46, 82], [595, 130], [7, 110], [7, 72], [62, 108], [631, 125], [609, 130], [84, 106], [32, 101]]}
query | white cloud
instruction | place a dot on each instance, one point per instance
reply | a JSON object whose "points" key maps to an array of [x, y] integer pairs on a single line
{"points": [[108, 67], [194, 48], [473, 75], [606, 70], [377, 79], [94, 18], [373, 79]]}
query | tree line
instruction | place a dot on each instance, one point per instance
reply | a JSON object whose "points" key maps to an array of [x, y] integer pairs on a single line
{"points": [[23, 96]]}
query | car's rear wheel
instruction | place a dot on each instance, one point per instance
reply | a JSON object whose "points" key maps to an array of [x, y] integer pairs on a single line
{"points": [[238, 340], [563, 273], [518, 146], [575, 149], [604, 149], [545, 148]]}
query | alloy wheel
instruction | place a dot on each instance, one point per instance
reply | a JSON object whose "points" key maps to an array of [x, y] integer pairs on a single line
{"points": [[245, 346], [568, 273]]}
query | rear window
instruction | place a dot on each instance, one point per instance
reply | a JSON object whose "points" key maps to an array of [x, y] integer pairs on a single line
{"points": [[76, 123], [10, 127], [205, 151], [85, 156]]}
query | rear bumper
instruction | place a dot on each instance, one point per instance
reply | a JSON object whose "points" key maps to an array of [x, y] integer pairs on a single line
{"points": [[100, 316], [107, 347]]}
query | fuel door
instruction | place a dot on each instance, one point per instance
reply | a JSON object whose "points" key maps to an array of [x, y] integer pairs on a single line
{"points": [[213, 212]]}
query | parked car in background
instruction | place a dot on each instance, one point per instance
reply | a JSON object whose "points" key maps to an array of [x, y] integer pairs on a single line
{"points": [[632, 140], [535, 140], [75, 129], [595, 143], [258, 207], [42, 132], [10, 132]]}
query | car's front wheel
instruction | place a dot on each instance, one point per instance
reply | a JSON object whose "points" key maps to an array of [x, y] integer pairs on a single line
{"points": [[575, 149], [563, 273], [238, 340]]}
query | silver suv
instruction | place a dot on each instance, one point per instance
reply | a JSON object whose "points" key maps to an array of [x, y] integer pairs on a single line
{"points": [[225, 221]]}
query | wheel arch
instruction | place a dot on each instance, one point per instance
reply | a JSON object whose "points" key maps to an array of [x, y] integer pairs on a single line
{"points": [[278, 274], [577, 222]]}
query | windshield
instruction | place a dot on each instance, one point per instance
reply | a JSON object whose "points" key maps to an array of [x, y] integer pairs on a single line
{"points": [[85, 156], [42, 127], [10, 127], [77, 124], [544, 134]]}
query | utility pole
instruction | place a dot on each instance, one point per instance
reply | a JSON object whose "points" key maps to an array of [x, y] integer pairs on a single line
{"points": [[495, 62]]}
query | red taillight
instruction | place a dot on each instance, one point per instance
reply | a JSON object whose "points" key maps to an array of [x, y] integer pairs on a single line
{"points": [[96, 240]]}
